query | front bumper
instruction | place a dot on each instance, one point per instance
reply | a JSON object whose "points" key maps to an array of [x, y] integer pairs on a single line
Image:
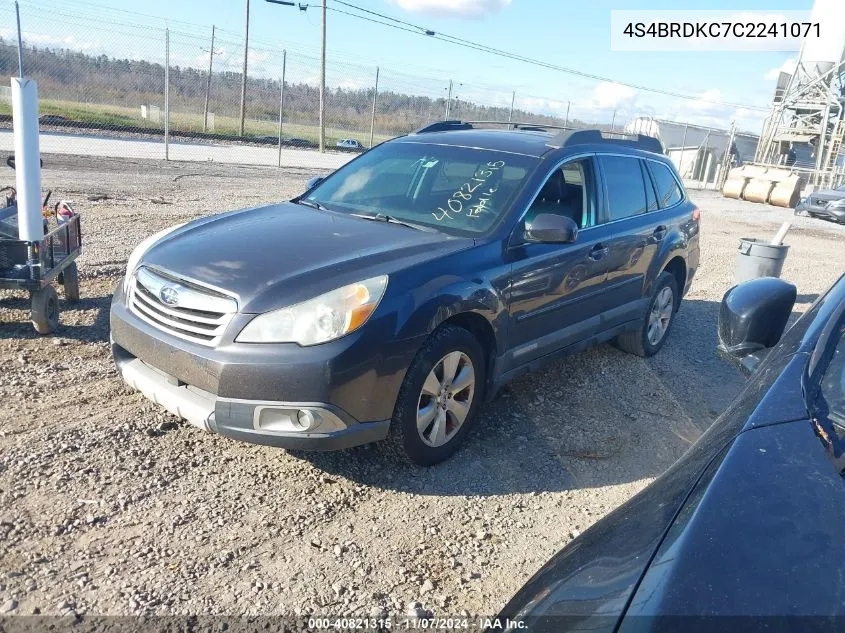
{"points": [[259, 422], [255, 392], [837, 214]]}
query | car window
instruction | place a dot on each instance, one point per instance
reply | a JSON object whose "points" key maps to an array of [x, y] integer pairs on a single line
{"points": [[625, 186], [459, 190], [833, 386], [668, 191], [568, 191]]}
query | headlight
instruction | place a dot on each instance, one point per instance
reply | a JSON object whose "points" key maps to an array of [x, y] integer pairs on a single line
{"points": [[318, 320], [141, 249]]}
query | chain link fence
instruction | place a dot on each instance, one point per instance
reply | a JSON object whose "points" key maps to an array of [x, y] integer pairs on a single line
{"points": [[114, 87]]}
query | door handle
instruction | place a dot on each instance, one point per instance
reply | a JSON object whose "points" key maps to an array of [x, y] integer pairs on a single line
{"points": [[597, 252], [660, 232]]}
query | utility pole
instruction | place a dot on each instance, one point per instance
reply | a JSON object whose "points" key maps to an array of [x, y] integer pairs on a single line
{"points": [[513, 98], [448, 101], [282, 103], [566, 120], [322, 83], [243, 76], [208, 83], [613, 121], [373, 119]]}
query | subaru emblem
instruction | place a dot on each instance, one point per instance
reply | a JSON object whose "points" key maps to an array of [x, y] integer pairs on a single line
{"points": [[169, 296]]}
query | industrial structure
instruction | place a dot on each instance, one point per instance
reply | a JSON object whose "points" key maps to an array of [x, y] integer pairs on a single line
{"points": [[806, 125]]}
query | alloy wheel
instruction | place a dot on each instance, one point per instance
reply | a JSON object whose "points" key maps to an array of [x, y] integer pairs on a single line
{"points": [[660, 315], [446, 398]]}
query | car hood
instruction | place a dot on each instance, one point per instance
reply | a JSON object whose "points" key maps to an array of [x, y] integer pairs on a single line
{"points": [[828, 195], [280, 254]]}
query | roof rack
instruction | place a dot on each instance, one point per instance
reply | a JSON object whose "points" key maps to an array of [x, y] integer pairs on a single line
{"points": [[596, 137], [442, 126], [522, 125]]}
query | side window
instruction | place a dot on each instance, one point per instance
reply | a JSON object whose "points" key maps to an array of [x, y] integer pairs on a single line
{"points": [[569, 191], [668, 191], [625, 186]]}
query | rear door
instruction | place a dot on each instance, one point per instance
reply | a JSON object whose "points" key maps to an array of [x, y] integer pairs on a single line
{"points": [[635, 233]]}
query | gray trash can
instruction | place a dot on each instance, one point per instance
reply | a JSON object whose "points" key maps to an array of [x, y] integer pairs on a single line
{"points": [[759, 259]]}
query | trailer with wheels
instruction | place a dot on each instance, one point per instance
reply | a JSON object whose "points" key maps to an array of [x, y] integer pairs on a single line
{"points": [[34, 251], [34, 266]]}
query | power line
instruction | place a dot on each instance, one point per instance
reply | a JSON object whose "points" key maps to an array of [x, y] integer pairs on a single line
{"points": [[419, 30]]}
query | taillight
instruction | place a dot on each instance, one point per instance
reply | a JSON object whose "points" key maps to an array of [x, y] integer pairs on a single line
{"points": [[696, 215]]}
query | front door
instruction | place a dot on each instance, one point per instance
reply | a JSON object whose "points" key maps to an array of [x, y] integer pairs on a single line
{"points": [[555, 296]]}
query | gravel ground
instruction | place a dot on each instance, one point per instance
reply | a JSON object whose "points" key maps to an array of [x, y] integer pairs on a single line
{"points": [[109, 506]]}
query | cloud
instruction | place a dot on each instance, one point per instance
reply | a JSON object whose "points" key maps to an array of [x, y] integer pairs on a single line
{"points": [[452, 8], [708, 101], [786, 67], [51, 41], [608, 95], [542, 106]]}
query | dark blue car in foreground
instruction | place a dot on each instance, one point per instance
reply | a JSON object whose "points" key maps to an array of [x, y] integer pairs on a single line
{"points": [[746, 532], [397, 294]]}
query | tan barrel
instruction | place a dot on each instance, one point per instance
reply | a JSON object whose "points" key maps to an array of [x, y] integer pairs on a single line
{"points": [[787, 192], [758, 190]]}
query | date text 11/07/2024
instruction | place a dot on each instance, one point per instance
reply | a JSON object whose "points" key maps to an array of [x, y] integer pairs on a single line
{"points": [[416, 624]]}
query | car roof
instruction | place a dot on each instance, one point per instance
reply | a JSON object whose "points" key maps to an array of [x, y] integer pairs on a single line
{"points": [[529, 143], [537, 143]]}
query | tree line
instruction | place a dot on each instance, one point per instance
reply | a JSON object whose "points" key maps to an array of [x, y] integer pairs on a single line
{"points": [[69, 75]]}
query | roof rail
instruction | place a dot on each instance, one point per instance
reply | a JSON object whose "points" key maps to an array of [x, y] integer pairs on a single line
{"points": [[522, 125], [442, 126], [595, 137]]}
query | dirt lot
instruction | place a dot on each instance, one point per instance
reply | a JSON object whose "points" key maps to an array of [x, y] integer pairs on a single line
{"points": [[108, 505]]}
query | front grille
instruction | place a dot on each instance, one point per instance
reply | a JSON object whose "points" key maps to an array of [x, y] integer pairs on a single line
{"points": [[191, 312]]}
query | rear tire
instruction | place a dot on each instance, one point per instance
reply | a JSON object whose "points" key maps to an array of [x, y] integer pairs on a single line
{"points": [[444, 382], [657, 322], [70, 282], [45, 310]]}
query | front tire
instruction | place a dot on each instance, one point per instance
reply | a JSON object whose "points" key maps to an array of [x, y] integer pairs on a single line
{"points": [[659, 316], [439, 398]]}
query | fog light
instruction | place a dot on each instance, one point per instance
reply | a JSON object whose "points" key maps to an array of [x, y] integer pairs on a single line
{"points": [[306, 419]]}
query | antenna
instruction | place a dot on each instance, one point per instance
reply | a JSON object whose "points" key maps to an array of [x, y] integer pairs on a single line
{"points": [[20, 40]]}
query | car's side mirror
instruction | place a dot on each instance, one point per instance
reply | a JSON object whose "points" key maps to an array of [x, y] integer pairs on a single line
{"points": [[313, 182], [752, 318], [550, 228]]}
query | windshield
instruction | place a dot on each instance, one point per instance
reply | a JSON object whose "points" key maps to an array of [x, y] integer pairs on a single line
{"points": [[454, 189]]}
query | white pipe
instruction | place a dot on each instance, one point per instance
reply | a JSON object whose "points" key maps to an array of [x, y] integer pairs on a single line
{"points": [[27, 159], [777, 240]]}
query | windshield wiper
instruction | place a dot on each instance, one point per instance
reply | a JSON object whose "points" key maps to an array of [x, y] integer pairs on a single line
{"points": [[310, 203], [383, 217]]}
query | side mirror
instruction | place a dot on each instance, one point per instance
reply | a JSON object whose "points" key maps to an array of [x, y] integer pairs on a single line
{"points": [[313, 182], [550, 228], [752, 318]]}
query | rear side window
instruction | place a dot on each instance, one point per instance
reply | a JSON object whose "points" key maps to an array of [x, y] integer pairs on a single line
{"points": [[626, 193], [668, 191]]}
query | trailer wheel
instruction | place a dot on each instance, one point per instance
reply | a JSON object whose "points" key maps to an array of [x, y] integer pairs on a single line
{"points": [[45, 310], [70, 282]]}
